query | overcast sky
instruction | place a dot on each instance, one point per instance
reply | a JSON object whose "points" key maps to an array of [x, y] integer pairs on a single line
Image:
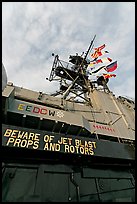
{"points": [[32, 31]]}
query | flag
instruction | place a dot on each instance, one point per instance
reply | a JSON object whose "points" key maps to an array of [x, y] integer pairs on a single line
{"points": [[104, 52], [95, 62], [106, 76], [111, 67], [107, 59], [99, 48], [96, 54], [98, 61], [98, 69], [103, 60]]}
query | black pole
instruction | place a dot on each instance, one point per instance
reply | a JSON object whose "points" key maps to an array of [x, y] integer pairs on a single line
{"points": [[89, 47]]}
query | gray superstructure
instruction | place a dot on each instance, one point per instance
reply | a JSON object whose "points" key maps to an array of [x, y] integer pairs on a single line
{"points": [[109, 116]]}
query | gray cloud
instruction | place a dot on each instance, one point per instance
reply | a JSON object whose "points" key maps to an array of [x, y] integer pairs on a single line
{"points": [[31, 31]]}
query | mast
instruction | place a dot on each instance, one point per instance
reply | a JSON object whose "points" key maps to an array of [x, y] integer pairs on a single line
{"points": [[86, 54], [72, 76], [87, 82]]}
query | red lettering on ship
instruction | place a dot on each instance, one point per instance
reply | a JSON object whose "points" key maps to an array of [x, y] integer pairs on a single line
{"points": [[103, 127], [40, 110]]}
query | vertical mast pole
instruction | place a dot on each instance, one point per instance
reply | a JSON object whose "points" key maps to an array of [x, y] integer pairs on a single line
{"points": [[87, 81], [89, 47]]}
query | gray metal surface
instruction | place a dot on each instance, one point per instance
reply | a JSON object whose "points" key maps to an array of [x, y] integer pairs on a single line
{"points": [[108, 116]]}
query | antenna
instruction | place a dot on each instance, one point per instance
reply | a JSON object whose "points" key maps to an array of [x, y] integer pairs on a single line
{"points": [[91, 44]]}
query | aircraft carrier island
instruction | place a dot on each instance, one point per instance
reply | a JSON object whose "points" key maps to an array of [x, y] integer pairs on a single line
{"points": [[75, 145]]}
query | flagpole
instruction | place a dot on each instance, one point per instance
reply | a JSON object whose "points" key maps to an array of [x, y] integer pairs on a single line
{"points": [[84, 58], [83, 70], [89, 47]]}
